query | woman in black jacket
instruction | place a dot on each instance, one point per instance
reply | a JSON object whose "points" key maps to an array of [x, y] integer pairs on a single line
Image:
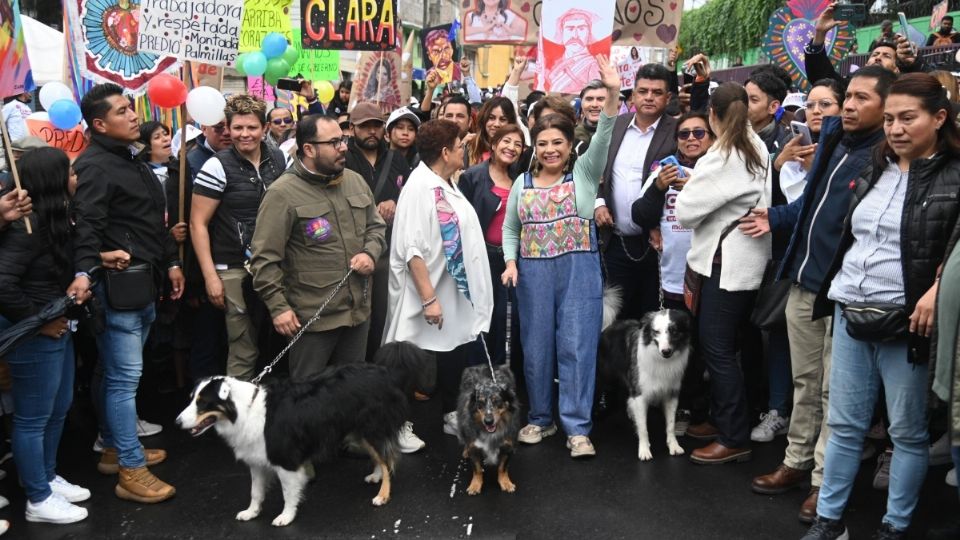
{"points": [[34, 270], [487, 185], [884, 281]]}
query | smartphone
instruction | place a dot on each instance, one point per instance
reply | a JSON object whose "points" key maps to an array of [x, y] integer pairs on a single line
{"points": [[292, 85], [854, 13], [672, 160], [904, 25], [801, 130], [688, 78]]}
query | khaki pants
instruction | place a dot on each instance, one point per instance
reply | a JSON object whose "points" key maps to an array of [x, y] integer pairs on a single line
{"points": [[810, 349], [317, 350], [241, 333]]}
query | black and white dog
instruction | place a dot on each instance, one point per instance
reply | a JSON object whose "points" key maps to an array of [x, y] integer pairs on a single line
{"points": [[647, 358], [281, 428]]}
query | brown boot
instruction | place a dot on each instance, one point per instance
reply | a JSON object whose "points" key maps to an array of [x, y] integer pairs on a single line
{"points": [[110, 464], [779, 481], [716, 453], [808, 510], [705, 430], [142, 486]]}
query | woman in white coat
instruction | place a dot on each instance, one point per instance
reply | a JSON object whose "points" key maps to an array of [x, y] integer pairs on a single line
{"points": [[726, 183]]}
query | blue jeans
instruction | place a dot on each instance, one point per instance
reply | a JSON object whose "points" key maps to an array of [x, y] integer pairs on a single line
{"points": [[43, 371], [121, 352], [780, 374], [561, 310], [858, 370]]}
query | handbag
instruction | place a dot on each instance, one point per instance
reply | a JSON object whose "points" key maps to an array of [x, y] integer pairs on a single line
{"points": [[132, 289], [876, 322], [770, 309], [692, 285]]}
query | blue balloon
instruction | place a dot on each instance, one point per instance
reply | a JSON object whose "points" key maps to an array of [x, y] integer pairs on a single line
{"points": [[255, 64], [64, 114], [273, 45]]}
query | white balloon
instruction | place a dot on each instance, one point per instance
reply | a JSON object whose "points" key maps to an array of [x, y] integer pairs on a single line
{"points": [[52, 92], [205, 104]]}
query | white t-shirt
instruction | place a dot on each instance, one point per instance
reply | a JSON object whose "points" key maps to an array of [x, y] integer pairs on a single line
{"points": [[676, 238]]}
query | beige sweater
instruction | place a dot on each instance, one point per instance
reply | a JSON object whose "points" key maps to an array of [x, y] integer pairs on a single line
{"points": [[720, 192]]}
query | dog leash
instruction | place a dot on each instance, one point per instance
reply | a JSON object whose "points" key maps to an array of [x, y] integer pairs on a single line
{"points": [[298, 335]]}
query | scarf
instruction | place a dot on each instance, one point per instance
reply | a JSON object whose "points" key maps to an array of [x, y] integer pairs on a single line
{"points": [[452, 243]]}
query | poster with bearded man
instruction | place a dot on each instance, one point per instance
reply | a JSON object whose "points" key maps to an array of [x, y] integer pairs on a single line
{"points": [[570, 39]]}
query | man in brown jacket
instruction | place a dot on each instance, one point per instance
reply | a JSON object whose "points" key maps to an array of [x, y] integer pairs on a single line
{"points": [[316, 222]]}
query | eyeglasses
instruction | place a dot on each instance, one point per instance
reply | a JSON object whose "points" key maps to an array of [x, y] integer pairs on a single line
{"points": [[333, 142], [822, 104], [282, 121], [698, 133]]}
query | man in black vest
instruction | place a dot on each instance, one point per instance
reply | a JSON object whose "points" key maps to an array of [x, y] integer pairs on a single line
{"points": [[226, 197]]}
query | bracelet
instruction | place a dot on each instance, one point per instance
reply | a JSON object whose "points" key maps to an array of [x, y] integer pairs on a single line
{"points": [[429, 302]]}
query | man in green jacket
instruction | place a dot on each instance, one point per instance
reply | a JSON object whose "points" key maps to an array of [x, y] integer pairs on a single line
{"points": [[316, 222]]}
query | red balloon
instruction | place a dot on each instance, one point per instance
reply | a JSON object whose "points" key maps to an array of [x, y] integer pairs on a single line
{"points": [[167, 91]]}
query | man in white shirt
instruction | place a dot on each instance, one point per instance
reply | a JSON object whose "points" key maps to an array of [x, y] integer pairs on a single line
{"points": [[15, 113], [638, 142]]}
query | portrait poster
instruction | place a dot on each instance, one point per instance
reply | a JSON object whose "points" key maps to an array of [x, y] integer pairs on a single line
{"points": [[106, 38], [205, 31], [349, 25], [628, 60], [938, 13], [378, 81], [14, 64], [572, 36], [440, 54], [493, 21]]}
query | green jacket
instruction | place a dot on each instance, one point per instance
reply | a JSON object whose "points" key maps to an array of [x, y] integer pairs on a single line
{"points": [[308, 229]]}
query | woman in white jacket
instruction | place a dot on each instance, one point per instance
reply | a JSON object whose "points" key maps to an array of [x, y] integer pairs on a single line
{"points": [[726, 183]]}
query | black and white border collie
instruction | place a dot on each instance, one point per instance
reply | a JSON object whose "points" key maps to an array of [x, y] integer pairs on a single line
{"points": [[647, 358], [283, 427]]}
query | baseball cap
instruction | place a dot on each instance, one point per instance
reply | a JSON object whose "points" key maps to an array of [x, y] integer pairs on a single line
{"points": [[365, 111], [794, 100], [403, 113]]}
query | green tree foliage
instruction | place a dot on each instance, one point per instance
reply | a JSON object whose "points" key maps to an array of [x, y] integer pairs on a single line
{"points": [[726, 26]]}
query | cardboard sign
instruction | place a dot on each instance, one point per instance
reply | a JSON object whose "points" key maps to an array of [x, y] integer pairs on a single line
{"points": [[260, 17], [14, 64], [206, 75], [313, 64], [205, 31], [571, 39], [353, 25], [499, 24], [70, 141], [440, 54], [256, 87], [377, 80]]}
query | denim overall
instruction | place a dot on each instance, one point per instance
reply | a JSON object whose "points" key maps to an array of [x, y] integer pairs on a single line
{"points": [[559, 292]]}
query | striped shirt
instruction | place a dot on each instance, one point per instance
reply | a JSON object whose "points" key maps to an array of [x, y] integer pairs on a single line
{"points": [[872, 269]]}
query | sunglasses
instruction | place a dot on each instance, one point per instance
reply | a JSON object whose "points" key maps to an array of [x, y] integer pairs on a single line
{"points": [[219, 128], [698, 133], [282, 121]]}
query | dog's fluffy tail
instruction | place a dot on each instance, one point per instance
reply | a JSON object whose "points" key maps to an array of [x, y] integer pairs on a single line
{"points": [[612, 302], [406, 363]]}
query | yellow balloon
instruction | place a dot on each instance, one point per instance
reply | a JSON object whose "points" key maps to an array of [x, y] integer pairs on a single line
{"points": [[324, 91]]}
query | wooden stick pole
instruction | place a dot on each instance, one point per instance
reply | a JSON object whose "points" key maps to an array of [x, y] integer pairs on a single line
{"points": [[13, 168], [183, 153]]}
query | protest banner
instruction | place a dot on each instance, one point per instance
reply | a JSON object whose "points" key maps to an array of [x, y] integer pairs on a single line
{"points": [[71, 141], [377, 80], [257, 87], [439, 53], [206, 75], [353, 25], [205, 31], [260, 17], [106, 33], [572, 38], [939, 12], [791, 28], [14, 64], [313, 64], [498, 23]]}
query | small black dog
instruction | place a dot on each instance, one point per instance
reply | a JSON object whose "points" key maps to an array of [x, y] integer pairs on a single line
{"points": [[488, 420]]}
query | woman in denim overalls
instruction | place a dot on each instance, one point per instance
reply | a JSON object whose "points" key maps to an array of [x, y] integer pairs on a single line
{"points": [[549, 220]]}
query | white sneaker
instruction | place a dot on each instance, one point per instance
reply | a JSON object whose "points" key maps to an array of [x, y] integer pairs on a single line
{"points": [[71, 492], [55, 509], [3, 474], [951, 478], [940, 451], [409, 442], [4, 526], [4, 502], [98, 444], [450, 424], [147, 429], [771, 425]]}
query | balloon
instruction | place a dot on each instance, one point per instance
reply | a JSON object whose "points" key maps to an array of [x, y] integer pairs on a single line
{"points": [[238, 63], [64, 114], [324, 91], [276, 68], [53, 92], [205, 105], [255, 64], [166, 91], [291, 55], [273, 45]]}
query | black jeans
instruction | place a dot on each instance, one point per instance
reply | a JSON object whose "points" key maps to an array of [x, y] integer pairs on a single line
{"points": [[694, 392], [722, 314], [379, 285], [450, 366], [497, 337], [634, 270]]}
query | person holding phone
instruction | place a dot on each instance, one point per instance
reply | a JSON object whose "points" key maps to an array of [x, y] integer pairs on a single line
{"points": [[795, 159]]}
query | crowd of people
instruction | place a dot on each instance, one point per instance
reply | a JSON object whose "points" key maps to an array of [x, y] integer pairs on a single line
{"points": [[425, 226]]}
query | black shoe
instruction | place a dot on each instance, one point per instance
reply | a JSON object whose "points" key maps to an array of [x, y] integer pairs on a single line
{"points": [[827, 529], [887, 532]]}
